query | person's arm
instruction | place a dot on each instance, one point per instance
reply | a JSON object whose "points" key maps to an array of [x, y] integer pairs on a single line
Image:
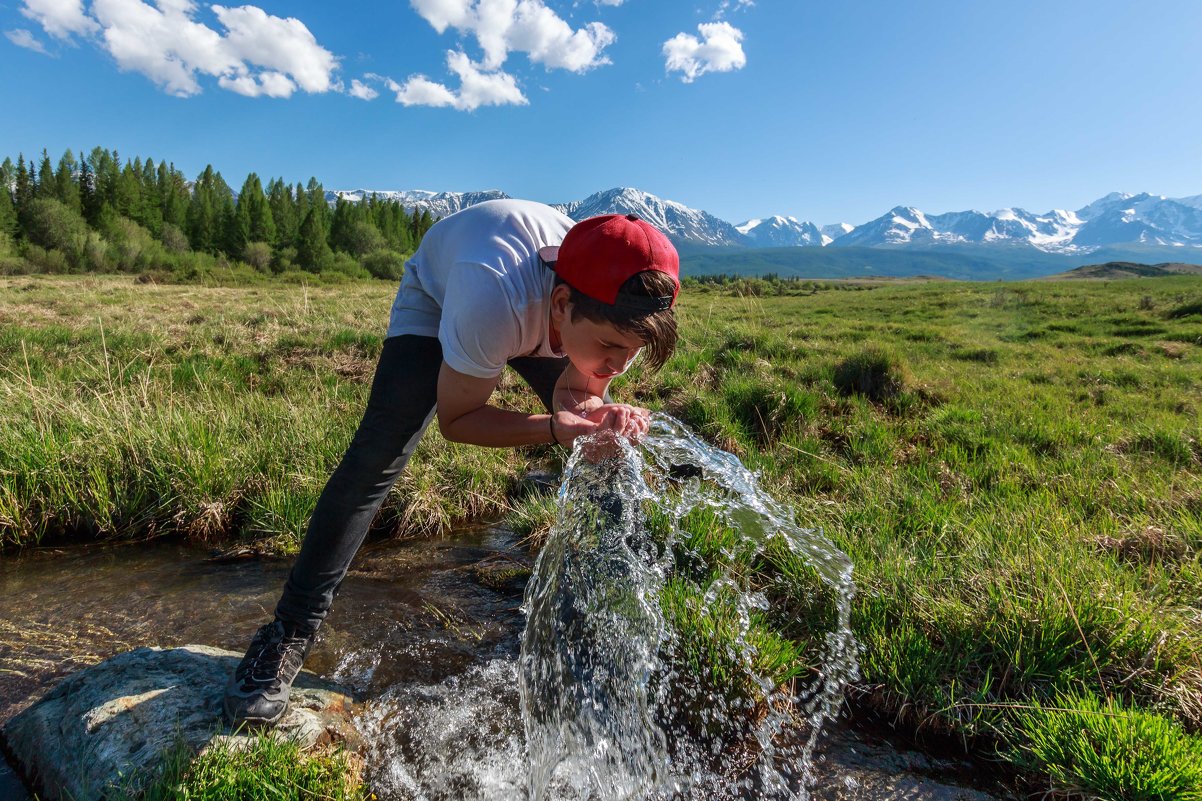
{"points": [[465, 416]]}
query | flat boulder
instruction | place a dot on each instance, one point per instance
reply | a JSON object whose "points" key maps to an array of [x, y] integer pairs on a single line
{"points": [[107, 723]]}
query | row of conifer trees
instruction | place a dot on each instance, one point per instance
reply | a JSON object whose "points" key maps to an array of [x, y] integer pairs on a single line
{"points": [[100, 214]]}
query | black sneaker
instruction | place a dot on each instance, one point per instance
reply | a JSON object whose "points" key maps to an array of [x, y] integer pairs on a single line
{"points": [[257, 695]]}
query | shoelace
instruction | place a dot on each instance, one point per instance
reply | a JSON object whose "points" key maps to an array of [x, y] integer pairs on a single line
{"points": [[264, 670]]}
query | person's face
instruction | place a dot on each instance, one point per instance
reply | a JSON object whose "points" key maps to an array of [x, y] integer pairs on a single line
{"points": [[597, 350]]}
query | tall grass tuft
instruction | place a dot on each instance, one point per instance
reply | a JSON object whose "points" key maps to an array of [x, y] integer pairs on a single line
{"points": [[1103, 749], [875, 372]]}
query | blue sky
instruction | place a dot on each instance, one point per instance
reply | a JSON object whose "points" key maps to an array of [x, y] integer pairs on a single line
{"points": [[825, 111]]}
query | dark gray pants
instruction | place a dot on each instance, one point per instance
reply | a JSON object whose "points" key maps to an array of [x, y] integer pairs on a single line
{"points": [[399, 408]]}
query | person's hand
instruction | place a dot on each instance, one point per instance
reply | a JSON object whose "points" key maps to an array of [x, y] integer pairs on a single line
{"points": [[631, 422], [568, 425]]}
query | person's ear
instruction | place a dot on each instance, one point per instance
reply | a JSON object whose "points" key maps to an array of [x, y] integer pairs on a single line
{"points": [[561, 303]]}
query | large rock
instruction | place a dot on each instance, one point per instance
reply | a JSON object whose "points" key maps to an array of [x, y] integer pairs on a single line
{"points": [[103, 724]]}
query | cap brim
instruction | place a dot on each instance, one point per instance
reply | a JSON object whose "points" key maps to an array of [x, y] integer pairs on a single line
{"points": [[549, 254]]}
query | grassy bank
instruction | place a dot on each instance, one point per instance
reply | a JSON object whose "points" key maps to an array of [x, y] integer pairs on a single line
{"points": [[1015, 469]]}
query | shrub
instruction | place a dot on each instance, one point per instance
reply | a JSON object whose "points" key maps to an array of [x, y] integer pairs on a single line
{"points": [[345, 265], [387, 264], [174, 239], [876, 373], [46, 261], [129, 243], [258, 255], [50, 224]]}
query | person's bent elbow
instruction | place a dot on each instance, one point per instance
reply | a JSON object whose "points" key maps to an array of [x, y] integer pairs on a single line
{"points": [[450, 432]]}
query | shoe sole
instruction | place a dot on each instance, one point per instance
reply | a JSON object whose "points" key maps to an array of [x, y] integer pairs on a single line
{"points": [[252, 724]]}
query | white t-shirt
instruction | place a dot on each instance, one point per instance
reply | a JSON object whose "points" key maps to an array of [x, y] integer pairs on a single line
{"points": [[478, 285]]}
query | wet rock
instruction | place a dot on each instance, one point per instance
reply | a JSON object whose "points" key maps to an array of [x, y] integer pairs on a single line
{"points": [[104, 724], [849, 767], [536, 483]]}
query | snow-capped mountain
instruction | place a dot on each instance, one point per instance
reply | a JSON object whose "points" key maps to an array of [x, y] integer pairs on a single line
{"points": [[777, 232], [1116, 219], [678, 220], [835, 230], [439, 204], [1143, 218]]}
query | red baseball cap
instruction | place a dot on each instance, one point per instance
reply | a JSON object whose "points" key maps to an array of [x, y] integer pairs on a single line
{"points": [[599, 254]]}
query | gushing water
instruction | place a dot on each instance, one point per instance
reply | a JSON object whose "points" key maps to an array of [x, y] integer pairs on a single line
{"points": [[654, 664], [611, 699]]}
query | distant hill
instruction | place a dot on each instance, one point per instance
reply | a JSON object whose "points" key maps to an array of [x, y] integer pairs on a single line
{"points": [[1130, 269], [959, 262]]}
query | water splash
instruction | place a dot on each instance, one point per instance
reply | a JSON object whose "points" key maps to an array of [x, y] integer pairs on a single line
{"points": [[610, 705]]}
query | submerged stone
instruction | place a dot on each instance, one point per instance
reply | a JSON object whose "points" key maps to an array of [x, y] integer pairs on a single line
{"points": [[107, 725]]}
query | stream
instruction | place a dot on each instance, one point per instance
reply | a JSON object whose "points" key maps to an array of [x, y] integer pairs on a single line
{"points": [[429, 636]]}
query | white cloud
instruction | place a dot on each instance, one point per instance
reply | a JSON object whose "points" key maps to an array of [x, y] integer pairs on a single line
{"points": [[721, 51], [362, 91], [523, 26], [610, 2], [732, 5], [23, 38], [477, 88], [257, 55], [59, 18], [275, 43]]}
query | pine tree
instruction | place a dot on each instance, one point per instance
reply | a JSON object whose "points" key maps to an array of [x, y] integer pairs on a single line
{"points": [[128, 200], [312, 250], [283, 213], [65, 187], [233, 235], [8, 212], [202, 219], [301, 200], [88, 199], [253, 206], [46, 183], [23, 189]]}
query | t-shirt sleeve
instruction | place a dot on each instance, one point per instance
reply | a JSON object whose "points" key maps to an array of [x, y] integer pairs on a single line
{"points": [[479, 331]]}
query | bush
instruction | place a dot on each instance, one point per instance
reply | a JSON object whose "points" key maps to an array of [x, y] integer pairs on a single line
{"points": [[46, 261], [284, 260], [130, 245], [876, 373], [344, 264], [14, 265], [50, 224], [258, 255], [387, 264], [362, 238], [174, 239]]}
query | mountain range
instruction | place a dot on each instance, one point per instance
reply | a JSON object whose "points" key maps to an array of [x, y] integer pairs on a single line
{"points": [[1116, 219]]}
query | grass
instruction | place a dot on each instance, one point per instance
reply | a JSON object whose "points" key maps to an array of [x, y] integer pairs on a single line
{"points": [[1103, 749], [266, 769], [1023, 506]]}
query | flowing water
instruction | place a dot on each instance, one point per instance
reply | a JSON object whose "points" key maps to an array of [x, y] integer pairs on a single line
{"points": [[607, 712]]}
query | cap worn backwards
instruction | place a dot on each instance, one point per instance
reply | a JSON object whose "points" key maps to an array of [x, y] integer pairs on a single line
{"points": [[600, 254]]}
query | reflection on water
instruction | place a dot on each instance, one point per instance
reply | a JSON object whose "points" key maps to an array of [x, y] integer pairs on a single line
{"points": [[407, 612]]}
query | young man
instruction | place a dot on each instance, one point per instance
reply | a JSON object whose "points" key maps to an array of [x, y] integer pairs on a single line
{"points": [[488, 287]]}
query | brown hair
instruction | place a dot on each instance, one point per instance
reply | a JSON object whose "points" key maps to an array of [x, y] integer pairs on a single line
{"points": [[657, 329]]}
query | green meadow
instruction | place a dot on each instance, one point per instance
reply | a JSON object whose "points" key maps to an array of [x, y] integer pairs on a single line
{"points": [[1014, 468]]}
